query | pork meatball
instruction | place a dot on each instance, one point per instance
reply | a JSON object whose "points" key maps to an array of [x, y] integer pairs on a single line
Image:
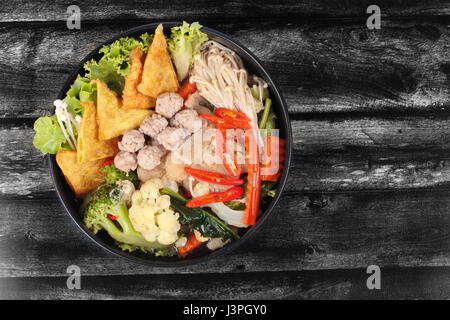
{"points": [[155, 143], [132, 141], [125, 161], [188, 119], [149, 157], [172, 138], [152, 125], [169, 103]]}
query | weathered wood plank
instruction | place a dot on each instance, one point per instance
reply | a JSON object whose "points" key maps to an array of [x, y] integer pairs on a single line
{"points": [[402, 283], [24, 11], [306, 232], [342, 67], [345, 154]]}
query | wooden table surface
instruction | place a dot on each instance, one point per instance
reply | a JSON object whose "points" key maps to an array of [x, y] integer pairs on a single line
{"points": [[370, 177]]}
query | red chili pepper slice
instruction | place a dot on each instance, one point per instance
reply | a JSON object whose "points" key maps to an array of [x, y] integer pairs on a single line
{"points": [[187, 89], [229, 195], [107, 162], [112, 217], [190, 245], [227, 123], [254, 180], [213, 177], [228, 113], [228, 159]]}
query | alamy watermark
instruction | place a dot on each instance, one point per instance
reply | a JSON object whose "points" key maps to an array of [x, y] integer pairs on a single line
{"points": [[374, 280], [74, 18], [374, 20], [74, 280]]}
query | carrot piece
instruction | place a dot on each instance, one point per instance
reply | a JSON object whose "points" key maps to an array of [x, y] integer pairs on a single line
{"points": [[254, 180]]}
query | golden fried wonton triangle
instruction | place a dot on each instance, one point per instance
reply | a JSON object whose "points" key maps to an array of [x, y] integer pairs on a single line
{"points": [[158, 75], [112, 119], [82, 178], [89, 147], [132, 98]]}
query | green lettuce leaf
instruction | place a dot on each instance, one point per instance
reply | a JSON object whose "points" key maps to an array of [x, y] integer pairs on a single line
{"points": [[117, 54], [183, 45], [81, 91], [106, 72], [49, 137]]}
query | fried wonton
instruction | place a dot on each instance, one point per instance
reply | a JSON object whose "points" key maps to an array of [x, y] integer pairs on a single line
{"points": [[89, 146], [132, 98], [113, 120], [82, 178], [158, 76]]}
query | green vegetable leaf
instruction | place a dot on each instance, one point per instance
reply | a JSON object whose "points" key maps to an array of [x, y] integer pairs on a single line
{"points": [[107, 73], [81, 91], [201, 220], [49, 137], [117, 54], [235, 205], [183, 45], [268, 189]]}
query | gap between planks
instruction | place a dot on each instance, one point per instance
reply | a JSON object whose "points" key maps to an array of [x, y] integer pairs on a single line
{"points": [[401, 283]]}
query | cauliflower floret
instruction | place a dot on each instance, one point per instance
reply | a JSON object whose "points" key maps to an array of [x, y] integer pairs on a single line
{"points": [[150, 214]]}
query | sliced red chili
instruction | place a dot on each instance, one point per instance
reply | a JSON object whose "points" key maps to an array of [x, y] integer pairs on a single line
{"points": [[187, 89], [228, 159], [190, 245], [213, 197], [112, 217], [107, 162], [228, 113], [227, 123], [213, 177]]}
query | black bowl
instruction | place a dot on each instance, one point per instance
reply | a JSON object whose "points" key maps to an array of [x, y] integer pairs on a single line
{"points": [[254, 66]]}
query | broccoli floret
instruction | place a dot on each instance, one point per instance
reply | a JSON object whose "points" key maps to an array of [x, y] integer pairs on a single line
{"points": [[113, 175], [104, 208]]}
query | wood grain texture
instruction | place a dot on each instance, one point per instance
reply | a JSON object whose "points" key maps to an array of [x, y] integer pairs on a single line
{"points": [[306, 232], [338, 67], [411, 283], [24, 11], [329, 155], [370, 176]]}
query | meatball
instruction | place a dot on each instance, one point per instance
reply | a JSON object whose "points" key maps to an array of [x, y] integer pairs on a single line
{"points": [[125, 161], [152, 125], [188, 119], [132, 141], [169, 103], [155, 143], [216, 243], [172, 138], [149, 157]]}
